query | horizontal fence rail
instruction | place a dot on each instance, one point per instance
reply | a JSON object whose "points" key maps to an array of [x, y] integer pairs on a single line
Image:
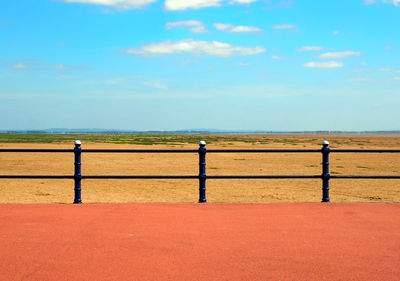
{"points": [[202, 176], [37, 150], [140, 150]]}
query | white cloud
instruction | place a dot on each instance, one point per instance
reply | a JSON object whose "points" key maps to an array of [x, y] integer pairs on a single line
{"points": [[328, 64], [26, 63], [387, 69], [285, 4], [70, 67], [155, 84], [310, 48], [397, 78], [244, 64], [235, 29], [20, 66], [336, 32], [188, 62], [193, 25], [128, 81], [362, 70], [179, 5], [284, 26], [212, 48], [360, 79], [337, 55], [120, 4], [242, 1], [60, 67], [392, 2], [277, 58], [390, 48], [115, 81]]}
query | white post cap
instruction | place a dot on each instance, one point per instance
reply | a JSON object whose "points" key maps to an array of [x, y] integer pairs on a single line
{"points": [[202, 142], [78, 142], [325, 142]]}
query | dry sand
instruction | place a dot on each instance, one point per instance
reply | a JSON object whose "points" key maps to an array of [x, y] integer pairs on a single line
{"points": [[259, 190]]}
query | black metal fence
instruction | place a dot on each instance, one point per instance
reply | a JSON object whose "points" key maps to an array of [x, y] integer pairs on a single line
{"points": [[202, 176]]}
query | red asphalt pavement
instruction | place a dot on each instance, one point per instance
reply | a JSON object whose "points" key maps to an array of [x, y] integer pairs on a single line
{"points": [[295, 241]]}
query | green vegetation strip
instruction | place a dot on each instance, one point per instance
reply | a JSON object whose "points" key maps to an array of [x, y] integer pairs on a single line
{"points": [[118, 138], [147, 139]]}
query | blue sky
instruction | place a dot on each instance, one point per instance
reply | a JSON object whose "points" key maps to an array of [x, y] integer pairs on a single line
{"points": [[222, 64]]}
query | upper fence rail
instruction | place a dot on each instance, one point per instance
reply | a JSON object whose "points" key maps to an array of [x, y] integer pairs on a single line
{"points": [[196, 150], [202, 176], [36, 150]]}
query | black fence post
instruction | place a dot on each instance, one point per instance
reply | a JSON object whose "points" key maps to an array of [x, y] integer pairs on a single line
{"points": [[202, 172], [325, 171], [77, 174]]}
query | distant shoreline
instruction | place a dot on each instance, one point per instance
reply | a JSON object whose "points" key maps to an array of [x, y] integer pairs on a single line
{"points": [[194, 132]]}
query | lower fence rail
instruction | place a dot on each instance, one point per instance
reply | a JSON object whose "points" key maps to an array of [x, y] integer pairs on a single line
{"points": [[34, 177], [202, 176]]}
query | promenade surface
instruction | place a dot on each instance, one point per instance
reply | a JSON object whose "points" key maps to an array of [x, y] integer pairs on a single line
{"points": [[284, 241]]}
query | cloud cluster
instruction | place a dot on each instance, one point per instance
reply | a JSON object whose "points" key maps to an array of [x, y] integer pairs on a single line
{"points": [[236, 29], [26, 63], [389, 69], [284, 26], [197, 47], [242, 1], [61, 67], [309, 48], [180, 5], [329, 55], [328, 64], [277, 57], [169, 5], [196, 26], [392, 2], [360, 79], [120, 4], [70, 67], [35, 64], [20, 66], [339, 55], [244, 64], [193, 25]]}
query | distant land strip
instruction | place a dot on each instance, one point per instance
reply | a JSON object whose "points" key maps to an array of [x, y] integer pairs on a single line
{"points": [[187, 132]]}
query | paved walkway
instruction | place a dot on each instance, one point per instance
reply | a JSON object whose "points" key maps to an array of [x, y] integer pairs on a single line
{"points": [[306, 241]]}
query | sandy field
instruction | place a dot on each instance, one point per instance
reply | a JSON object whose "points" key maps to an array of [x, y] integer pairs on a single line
{"points": [[258, 190]]}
